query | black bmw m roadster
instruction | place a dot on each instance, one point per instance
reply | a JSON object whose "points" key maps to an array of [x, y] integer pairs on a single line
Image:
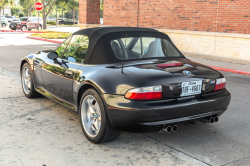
{"points": [[130, 79]]}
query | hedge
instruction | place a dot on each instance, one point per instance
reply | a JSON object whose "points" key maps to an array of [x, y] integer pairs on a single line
{"points": [[52, 35], [51, 22]]}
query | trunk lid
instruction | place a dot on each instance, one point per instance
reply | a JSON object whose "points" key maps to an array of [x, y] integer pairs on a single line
{"points": [[171, 77]]}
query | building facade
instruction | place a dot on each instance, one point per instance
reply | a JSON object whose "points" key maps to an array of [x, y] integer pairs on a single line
{"points": [[212, 27]]}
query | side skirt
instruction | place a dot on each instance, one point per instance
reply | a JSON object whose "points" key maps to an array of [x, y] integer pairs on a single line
{"points": [[56, 99]]}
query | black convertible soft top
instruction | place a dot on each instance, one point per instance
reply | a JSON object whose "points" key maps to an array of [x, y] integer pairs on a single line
{"points": [[100, 51]]}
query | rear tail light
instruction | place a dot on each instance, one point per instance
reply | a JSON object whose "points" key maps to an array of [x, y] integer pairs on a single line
{"points": [[220, 84], [145, 93]]}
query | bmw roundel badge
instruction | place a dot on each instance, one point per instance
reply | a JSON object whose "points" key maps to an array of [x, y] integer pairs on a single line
{"points": [[186, 72]]}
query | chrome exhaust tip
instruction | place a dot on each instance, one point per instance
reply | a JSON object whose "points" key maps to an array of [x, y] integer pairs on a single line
{"points": [[216, 119], [211, 120], [208, 120], [167, 129], [175, 128]]}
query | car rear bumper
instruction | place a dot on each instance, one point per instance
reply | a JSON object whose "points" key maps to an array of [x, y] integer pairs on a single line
{"points": [[137, 116]]}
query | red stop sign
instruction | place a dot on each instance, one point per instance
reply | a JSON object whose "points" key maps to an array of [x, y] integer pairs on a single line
{"points": [[38, 6]]}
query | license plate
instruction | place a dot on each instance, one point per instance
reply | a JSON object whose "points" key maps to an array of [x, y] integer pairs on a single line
{"points": [[191, 88]]}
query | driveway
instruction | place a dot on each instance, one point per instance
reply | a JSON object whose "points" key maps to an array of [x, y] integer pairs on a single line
{"points": [[39, 131]]}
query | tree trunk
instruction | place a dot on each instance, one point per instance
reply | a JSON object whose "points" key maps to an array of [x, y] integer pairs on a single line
{"points": [[62, 13], [76, 15], [73, 15], [44, 20], [29, 12], [3, 10], [56, 16]]}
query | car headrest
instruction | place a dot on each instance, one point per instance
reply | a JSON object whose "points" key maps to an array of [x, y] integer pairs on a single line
{"points": [[150, 51], [117, 50]]}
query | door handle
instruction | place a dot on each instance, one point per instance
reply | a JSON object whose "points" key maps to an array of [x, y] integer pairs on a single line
{"points": [[68, 73]]}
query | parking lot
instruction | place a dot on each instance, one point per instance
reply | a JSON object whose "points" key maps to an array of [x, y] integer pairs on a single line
{"points": [[42, 132]]}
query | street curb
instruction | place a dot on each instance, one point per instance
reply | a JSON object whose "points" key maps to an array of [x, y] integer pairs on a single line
{"points": [[230, 70], [216, 68], [22, 31], [43, 39]]}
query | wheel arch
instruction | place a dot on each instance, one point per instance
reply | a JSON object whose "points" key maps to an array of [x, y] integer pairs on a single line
{"points": [[22, 63], [81, 91]]}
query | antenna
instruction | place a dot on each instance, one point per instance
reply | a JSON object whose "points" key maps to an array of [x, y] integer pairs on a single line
{"points": [[124, 53]]}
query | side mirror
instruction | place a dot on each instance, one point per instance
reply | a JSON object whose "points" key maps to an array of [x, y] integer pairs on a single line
{"points": [[53, 55], [71, 59]]}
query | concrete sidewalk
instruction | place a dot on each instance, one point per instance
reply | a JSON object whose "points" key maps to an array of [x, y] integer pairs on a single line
{"points": [[40, 132], [209, 60]]}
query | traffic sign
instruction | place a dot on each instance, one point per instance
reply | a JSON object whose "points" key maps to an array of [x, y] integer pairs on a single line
{"points": [[38, 6]]}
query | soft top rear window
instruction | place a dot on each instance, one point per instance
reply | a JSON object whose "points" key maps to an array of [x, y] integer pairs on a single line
{"points": [[143, 47]]}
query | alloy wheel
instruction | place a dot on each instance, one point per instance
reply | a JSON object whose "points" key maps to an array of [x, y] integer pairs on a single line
{"points": [[91, 116], [26, 80]]}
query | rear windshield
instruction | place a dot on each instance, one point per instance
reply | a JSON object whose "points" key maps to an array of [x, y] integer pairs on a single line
{"points": [[143, 47], [23, 19]]}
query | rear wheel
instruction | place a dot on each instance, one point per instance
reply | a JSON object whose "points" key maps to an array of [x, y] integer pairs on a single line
{"points": [[27, 83], [94, 120], [24, 28], [3, 25]]}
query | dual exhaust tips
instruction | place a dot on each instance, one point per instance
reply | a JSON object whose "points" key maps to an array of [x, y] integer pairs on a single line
{"points": [[174, 128], [168, 129], [210, 119]]}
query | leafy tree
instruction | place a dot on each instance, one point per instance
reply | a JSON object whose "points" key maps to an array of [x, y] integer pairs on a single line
{"points": [[63, 4], [16, 10], [74, 5], [47, 7], [3, 3], [28, 5]]}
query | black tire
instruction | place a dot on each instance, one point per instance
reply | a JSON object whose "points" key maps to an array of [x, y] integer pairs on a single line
{"points": [[3, 25], [32, 92], [24, 28], [106, 133]]}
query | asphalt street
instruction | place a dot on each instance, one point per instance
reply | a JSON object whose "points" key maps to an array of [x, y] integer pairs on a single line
{"points": [[40, 131]]}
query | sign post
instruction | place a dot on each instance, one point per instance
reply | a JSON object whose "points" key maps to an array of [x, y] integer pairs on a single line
{"points": [[38, 7]]}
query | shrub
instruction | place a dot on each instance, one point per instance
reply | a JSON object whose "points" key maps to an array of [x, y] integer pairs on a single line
{"points": [[21, 15], [52, 35], [51, 22]]}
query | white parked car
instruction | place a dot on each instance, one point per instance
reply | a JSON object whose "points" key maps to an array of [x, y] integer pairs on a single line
{"points": [[9, 18], [101, 20]]}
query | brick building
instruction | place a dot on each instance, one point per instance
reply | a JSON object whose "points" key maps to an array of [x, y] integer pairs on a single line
{"points": [[213, 27]]}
